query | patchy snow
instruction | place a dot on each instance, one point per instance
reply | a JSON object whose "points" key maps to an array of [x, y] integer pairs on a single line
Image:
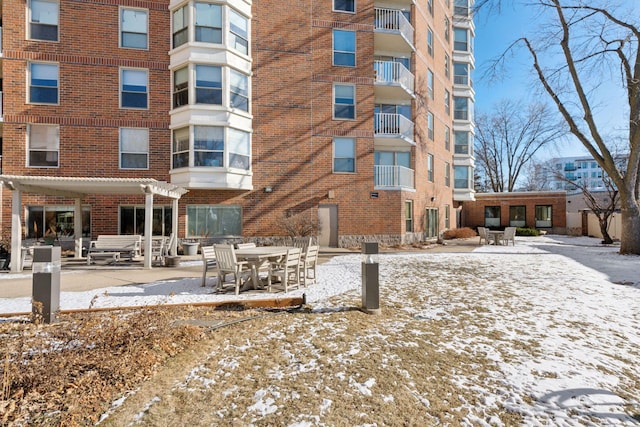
{"points": [[575, 300]]}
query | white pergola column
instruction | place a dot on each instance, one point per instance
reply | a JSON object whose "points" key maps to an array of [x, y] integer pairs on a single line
{"points": [[148, 227], [16, 231], [173, 250], [77, 227]]}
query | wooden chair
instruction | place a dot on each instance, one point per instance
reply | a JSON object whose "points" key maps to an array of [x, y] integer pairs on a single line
{"points": [[287, 269], [208, 261], [308, 264], [228, 263], [482, 232], [509, 235]]}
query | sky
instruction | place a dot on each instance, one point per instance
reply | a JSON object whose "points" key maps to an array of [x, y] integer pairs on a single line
{"points": [[495, 31], [574, 301]]}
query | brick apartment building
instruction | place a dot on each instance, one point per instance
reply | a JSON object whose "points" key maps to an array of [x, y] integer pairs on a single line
{"points": [[354, 115]]}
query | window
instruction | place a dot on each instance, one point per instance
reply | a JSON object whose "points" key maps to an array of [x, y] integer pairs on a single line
{"points": [[40, 218], [408, 215], [447, 174], [447, 216], [238, 32], [133, 28], [447, 138], [180, 150], [180, 87], [447, 102], [132, 220], [430, 6], [344, 5], [344, 102], [344, 155], [239, 143], [208, 23], [461, 177], [344, 48], [447, 28], [461, 108], [134, 148], [492, 216], [461, 143], [543, 216], [43, 20], [517, 216], [430, 167], [430, 83], [430, 41], [133, 88], [239, 90], [447, 66], [208, 146], [461, 40], [392, 169], [44, 145], [43, 87], [208, 84], [214, 220], [430, 125], [180, 26]]}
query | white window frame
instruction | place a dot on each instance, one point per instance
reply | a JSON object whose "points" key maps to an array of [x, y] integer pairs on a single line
{"points": [[351, 54], [31, 22], [335, 85], [408, 216], [344, 10], [52, 147], [430, 168], [185, 18], [124, 151], [430, 41], [447, 174], [234, 36], [447, 138], [447, 102], [121, 29], [30, 79], [344, 140], [430, 84], [430, 125], [146, 72], [196, 26]]}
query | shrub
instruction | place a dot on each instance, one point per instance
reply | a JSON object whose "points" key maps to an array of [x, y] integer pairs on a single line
{"points": [[459, 233], [527, 232]]}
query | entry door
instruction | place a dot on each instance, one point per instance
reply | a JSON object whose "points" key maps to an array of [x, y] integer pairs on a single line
{"points": [[328, 222], [431, 228]]}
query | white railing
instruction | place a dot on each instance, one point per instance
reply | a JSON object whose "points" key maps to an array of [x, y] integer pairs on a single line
{"points": [[394, 125], [394, 20], [393, 72], [393, 176]]}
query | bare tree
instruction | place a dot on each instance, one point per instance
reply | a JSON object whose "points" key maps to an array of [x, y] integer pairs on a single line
{"points": [[593, 40], [509, 137]]}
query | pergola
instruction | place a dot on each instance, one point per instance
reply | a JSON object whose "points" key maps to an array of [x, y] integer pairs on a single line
{"points": [[79, 187]]}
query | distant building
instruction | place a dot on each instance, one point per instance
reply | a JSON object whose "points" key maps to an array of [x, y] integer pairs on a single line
{"points": [[580, 169]]}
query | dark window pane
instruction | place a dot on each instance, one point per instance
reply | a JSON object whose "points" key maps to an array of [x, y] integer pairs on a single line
{"points": [[134, 161], [239, 101], [134, 100], [44, 95], [180, 160], [208, 159], [344, 165], [44, 32], [43, 158], [180, 37], [208, 34], [209, 96], [344, 112], [344, 59], [134, 40], [345, 5]]}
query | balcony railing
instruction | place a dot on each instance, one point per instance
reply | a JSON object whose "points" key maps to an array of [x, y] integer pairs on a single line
{"points": [[393, 20], [393, 176], [393, 72], [393, 125], [462, 79]]}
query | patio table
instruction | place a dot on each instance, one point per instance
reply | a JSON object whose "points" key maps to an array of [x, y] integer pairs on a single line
{"points": [[256, 258], [496, 235]]}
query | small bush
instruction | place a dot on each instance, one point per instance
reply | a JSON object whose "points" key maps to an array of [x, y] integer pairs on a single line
{"points": [[459, 233], [527, 232]]}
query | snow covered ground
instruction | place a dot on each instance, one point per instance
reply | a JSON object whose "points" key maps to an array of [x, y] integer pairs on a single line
{"points": [[575, 302]]}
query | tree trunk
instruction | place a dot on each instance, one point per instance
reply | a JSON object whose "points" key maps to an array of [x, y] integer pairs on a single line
{"points": [[630, 233], [604, 230]]}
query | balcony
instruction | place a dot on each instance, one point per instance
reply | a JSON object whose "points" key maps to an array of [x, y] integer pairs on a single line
{"points": [[570, 168], [393, 31], [393, 177], [389, 129], [393, 80]]}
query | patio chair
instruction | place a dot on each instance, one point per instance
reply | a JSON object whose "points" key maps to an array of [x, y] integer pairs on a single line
{"points": [[482, 232], [208, 261], [509, 235], [308, 263], [158, 249], [228, 263], [287, 269], [302, 243]]}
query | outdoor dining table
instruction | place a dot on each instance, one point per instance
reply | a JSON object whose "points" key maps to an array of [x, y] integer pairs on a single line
{"points": [[496, 235], [256, 258]]}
